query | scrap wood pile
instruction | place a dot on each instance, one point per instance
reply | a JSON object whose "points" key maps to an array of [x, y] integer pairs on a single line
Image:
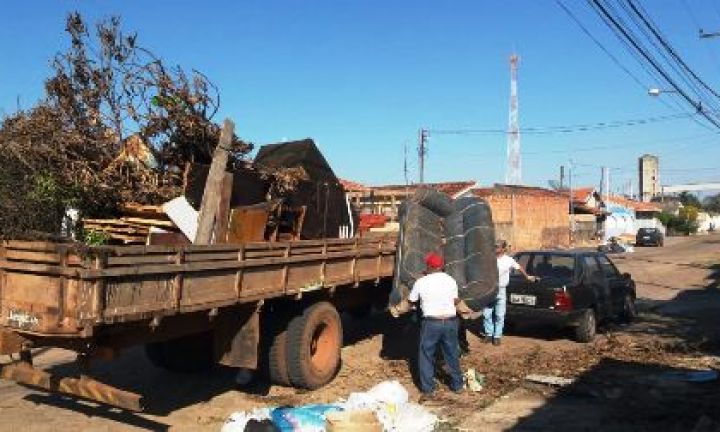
{"points": [[134, 226]]}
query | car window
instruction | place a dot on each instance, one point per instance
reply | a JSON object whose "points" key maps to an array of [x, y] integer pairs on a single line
{"points": [[552, 265], [523, 260], [607, 266], [591, 267]]}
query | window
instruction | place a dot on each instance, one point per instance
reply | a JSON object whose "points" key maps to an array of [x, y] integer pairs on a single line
{"points": [[608, 267], [592, 269], [553, 265], [523, 260]]}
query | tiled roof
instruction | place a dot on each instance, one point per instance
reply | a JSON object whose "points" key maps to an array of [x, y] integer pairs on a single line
{"points": [[580, 195], [632, 204], [501, 189], [351, 186], [454, 189]]}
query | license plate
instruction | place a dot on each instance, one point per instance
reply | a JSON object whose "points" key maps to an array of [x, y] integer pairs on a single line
{"points": [[529, 300]]}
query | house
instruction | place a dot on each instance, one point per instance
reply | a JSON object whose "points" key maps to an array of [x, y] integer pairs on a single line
{"points": [[528, 217], [587, 214], [385, 199]]}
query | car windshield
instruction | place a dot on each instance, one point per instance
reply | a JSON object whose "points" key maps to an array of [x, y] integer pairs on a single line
{"points": [[551, 265]]}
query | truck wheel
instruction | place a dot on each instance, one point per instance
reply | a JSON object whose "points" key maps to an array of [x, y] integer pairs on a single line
{"points": [[585, 331], [187, 354], [313, 345], [629, 311], [277, 356]]}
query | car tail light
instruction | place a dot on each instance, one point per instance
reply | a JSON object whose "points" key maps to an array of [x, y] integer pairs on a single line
{"points": [[563, 301]]}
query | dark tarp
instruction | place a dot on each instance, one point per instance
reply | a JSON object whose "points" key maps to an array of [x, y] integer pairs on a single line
{"points": [[322, 193]]}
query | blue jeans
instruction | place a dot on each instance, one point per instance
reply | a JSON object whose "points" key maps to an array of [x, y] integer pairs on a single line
{"points": [[494, 315], [445, 334]]}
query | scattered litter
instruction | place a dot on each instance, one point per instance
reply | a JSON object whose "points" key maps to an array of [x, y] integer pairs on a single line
{"points": [[353, 421], [383, 408], [474, 381], [306, 418], [411, 417], [238, 420], [549, 380], [691, 376]]}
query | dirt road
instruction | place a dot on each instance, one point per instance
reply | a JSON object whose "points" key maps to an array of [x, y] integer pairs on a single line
{"points": [[619, 384]]}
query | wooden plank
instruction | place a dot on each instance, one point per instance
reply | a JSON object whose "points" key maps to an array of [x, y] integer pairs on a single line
{"points": [[211, 196], [222, 217], [32, 256], [223, 265], [247, 224], [38, 246]]}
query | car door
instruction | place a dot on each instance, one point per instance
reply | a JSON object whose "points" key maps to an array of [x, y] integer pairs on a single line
{"points": [[615, 281], [596, 283]]}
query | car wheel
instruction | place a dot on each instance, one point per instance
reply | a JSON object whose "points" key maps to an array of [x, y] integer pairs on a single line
{"points": [[587, 328], [629, 310]]}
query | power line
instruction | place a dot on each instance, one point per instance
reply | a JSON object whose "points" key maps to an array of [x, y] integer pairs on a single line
{"points": [[656, 32], [545, 130], [604, 12], [640, 60], [615, 60]]}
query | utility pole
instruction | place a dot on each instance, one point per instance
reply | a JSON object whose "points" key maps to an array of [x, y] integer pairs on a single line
{"points": [[405, 166], [562, 177], [572, 209], [422, 153], [605, 183]]}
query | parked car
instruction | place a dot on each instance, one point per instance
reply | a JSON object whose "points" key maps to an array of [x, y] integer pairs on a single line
{"points": [[649, 237], [574, 289]]}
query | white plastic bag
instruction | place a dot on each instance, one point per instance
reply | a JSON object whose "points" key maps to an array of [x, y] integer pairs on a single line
{"points": [[238, 420]]}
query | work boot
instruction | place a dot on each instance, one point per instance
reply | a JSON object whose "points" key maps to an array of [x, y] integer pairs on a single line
{"points": [[496, 341]]}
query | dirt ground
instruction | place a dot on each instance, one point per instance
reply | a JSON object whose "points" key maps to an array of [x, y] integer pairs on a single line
{"points": [[622, 380]]}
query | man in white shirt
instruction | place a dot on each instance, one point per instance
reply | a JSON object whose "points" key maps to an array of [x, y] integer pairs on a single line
{"points": [[494, 313], [437, 294]]}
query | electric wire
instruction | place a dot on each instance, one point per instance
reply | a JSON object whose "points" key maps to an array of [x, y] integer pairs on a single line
{"points": [[672, 82]]}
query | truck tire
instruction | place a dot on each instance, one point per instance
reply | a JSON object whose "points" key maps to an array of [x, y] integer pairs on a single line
{"points": [[277, 357], [187, 354], [314, 340], [587, 327], [629, 311]]}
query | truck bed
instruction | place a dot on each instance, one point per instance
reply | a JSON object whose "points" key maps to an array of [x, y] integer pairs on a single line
{"points": [[63, 290]]}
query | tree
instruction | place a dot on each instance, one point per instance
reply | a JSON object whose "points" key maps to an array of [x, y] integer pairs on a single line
{"points": [[712, 203], [73, 149], [688, 199]]}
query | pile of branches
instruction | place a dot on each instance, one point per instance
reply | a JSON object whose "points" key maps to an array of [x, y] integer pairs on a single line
{"points": [[73, 148]]}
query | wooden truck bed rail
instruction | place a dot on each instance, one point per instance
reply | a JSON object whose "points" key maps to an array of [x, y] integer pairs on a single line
{"points": [[57, 289]]}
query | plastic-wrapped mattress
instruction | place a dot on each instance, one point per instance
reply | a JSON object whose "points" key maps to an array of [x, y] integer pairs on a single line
{"points": [[461, 231]]}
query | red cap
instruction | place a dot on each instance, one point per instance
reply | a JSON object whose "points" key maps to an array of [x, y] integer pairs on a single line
{"points": [[434, 261]]}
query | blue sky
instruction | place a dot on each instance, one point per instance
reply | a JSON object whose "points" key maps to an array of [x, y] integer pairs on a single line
{"points": [[361, 77]]}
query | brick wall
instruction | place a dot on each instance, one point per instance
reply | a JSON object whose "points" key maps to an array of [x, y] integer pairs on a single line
{"points": [[529, 218]]}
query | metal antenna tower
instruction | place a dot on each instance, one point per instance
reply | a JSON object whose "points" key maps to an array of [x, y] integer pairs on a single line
{"points": [[513, 175]]}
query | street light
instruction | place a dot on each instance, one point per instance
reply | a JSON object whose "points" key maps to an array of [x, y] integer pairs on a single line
{"points": [[657, 92]]}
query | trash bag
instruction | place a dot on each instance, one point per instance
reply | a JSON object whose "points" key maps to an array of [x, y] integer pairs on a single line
{"points": [[238, 421], [353, 421], [306, 418], [461, 230]]}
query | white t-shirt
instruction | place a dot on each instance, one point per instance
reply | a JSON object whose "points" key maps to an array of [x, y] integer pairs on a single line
{"points": [[437, 293], [505, 263]]}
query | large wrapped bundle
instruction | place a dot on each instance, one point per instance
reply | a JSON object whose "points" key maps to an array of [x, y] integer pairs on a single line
{"points": [[461, 231]]}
